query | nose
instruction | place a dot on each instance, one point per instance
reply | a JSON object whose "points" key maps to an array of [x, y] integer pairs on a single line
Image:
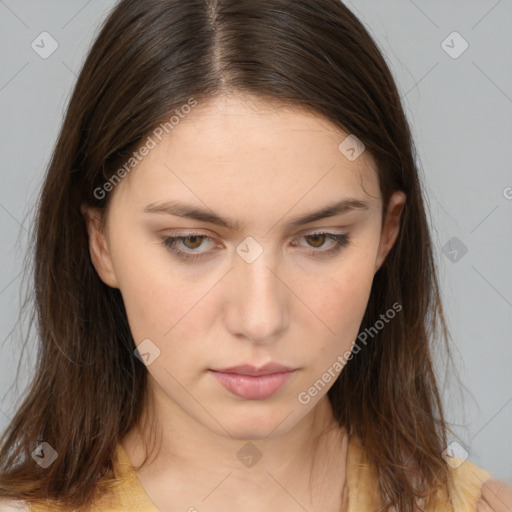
{"points": [[257, 309]]}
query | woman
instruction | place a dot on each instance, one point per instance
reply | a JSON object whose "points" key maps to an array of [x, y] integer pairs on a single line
{"points": [[235, 287]]}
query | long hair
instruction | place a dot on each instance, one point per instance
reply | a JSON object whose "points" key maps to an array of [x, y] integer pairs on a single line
{"points": [[149, 59]]}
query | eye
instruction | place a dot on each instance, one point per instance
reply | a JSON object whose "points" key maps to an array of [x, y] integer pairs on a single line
{"points": [[191, 242], [186, 246], [318, 239]]}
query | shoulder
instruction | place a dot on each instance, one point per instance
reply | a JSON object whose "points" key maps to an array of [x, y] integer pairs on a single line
{"points": [[475, 489], [495, 496]]}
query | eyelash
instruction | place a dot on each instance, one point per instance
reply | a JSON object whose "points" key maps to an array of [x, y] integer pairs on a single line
{"points": [[340, 241]]}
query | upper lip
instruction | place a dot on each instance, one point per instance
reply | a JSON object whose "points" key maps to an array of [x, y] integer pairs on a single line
{"points": [[247, 369]]}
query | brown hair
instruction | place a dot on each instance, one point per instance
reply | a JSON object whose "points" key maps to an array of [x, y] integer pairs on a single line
{"points": [[149, 59]]}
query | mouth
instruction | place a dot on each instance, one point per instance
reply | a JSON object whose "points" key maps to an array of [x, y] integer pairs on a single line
{"points": [[251, 383], [248, 369]]}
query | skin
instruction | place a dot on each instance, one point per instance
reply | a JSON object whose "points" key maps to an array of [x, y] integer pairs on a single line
{"points": [[262, 165], [496, 497]]}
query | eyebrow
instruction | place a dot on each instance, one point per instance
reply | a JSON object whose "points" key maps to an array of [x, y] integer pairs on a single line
{"points": [[187, 211]]}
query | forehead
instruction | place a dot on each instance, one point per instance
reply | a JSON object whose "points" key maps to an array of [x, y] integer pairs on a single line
{"points": [[238, 149], [231, 127]]}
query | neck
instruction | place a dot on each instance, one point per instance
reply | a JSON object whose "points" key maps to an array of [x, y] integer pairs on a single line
{"points": [[306, 465]]}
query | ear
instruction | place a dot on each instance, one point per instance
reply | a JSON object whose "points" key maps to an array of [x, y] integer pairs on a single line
{"points": [[98, 246], [391, 226]]}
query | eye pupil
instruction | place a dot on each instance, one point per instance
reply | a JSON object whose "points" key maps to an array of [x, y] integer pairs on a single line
{"points": [[317, 237], [193, 238]]}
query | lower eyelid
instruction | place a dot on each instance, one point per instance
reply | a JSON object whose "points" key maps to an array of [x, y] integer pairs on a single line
{"points": [[336, 238], [174, 240]]}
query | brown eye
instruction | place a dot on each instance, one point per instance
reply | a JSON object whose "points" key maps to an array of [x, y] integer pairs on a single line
{"points": [[196, 241], [318, 239], [324, 243], [191, 246]]}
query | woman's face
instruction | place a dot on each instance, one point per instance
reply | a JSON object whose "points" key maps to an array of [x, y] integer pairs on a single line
{"points": [[258, 278]]}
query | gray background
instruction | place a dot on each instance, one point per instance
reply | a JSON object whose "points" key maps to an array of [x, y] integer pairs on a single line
{"points": [[461, 114]]}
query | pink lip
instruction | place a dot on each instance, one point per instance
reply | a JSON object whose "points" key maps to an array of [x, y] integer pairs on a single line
{"points": [[252, 383], [247, 369]]}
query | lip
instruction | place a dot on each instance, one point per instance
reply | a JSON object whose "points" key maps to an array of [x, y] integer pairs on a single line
{"points": [[248, 369], [252, 383]]}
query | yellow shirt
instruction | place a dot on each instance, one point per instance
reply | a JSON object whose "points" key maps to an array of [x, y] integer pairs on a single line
{"points": [[363, 491]]}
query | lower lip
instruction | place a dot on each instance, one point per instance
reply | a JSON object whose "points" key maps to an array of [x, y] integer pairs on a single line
{"points": [[252, 387]]}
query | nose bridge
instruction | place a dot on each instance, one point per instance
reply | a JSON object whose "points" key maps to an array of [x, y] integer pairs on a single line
{"points": [[259, 306]]}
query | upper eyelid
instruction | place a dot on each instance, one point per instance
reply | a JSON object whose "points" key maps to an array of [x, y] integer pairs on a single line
{"points": [[186, 232], [190, 234]]}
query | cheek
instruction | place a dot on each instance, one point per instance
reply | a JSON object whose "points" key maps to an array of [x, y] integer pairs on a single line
{"points": [[340, 303], [157, 295], [161, 310], [342, 298]]}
